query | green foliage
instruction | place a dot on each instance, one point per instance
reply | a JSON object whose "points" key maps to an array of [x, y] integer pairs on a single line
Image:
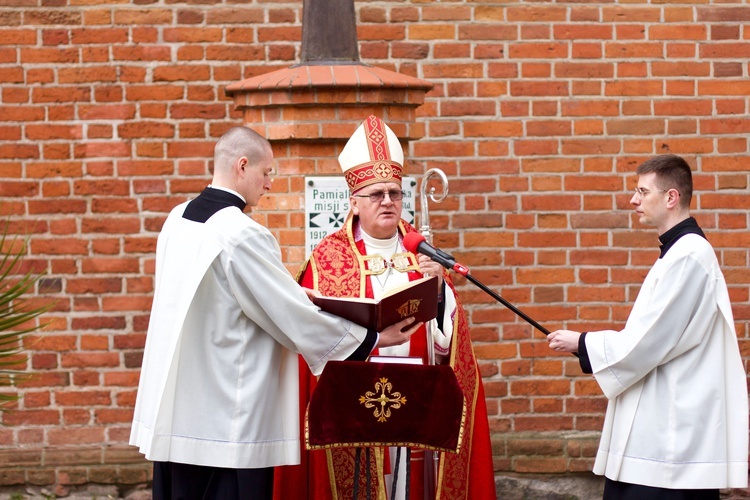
{"points": [[17, 312]]}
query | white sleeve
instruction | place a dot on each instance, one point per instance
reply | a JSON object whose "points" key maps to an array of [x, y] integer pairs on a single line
{"points": [[442, 337], [271, 298], [670, 316]]}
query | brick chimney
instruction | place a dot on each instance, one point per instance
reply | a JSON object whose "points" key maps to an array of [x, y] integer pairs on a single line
{"points": [[308, 111]]}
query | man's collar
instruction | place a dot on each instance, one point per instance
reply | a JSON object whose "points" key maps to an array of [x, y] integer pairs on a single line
{"points": [[670, 237], [210, 201], [228, 190]]}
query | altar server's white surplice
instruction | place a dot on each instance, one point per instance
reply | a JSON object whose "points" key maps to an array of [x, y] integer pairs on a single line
{"points": [[219, 382], [674, 420]]}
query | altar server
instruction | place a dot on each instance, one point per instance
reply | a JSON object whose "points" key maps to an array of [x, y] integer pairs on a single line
{"points": [[217, 404], [676, 426]]}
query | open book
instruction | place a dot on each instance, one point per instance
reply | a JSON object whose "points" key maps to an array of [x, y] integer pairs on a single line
{"points": [[417, 298]]}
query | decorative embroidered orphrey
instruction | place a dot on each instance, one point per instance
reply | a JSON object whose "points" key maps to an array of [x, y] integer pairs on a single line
{"points": [[382, 399]]}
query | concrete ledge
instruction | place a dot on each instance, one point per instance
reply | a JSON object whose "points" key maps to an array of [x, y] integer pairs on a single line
{"points": [[549, 487]]}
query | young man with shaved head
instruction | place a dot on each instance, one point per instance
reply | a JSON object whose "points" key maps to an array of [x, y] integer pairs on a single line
{"points": [[217, 404]]}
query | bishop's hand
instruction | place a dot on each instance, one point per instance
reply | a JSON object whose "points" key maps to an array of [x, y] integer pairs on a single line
{"points": [[429, 267], [393, 335]]}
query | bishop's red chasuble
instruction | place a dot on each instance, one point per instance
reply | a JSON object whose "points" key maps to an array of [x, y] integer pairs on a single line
{"points": [[337, 267]]}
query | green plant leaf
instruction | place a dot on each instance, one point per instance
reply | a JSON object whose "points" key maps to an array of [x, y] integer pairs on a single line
{"points": [[17, 314]]}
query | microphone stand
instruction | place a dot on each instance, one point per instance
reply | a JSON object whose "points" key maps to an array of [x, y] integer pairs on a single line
{"points": [[449, 262], [507, 304], [464, 271]]}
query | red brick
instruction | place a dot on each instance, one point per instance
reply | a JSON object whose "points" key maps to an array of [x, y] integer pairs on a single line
{"points": [[36, 399], [536, 14], [83, 398], [84, 360], [31, 418], [539, 117], [115, 416], [74, 435]]}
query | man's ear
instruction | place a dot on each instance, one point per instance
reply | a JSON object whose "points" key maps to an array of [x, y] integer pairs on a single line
{"points": [[673, 198], [240, 165], [353, 205]]}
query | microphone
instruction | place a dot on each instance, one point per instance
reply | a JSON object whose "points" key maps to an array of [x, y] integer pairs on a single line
{"points": [[415, 243]]}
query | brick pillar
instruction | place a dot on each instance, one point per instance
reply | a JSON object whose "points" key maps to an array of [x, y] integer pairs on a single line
{"points": [[308, 112], [324, 103]]}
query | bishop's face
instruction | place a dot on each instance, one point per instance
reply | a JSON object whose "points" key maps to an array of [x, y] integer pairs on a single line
{"points": [[379, 214]]}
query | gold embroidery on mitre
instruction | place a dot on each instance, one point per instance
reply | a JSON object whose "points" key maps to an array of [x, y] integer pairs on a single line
{"points": [[372, 172], [382, 170], [376, 138], [383, 402]]}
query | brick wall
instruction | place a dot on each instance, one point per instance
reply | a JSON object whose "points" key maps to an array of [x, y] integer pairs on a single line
{"points": [[539, 115]]}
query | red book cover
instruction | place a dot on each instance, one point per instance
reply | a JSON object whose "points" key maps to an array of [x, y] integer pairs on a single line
{"points": [[417, 298]]}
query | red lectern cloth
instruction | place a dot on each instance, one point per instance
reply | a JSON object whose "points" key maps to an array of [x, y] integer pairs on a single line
{"points": [[386, 404]]}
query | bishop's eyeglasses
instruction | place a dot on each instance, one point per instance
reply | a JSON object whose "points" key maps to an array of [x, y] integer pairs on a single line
{"points": [[377, 196]]}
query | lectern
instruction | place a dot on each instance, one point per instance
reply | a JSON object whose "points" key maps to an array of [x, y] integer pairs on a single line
{"points": [[365, 404]]}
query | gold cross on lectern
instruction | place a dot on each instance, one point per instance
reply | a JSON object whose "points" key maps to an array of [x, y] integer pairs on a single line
{"points": [[383, 402]]}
